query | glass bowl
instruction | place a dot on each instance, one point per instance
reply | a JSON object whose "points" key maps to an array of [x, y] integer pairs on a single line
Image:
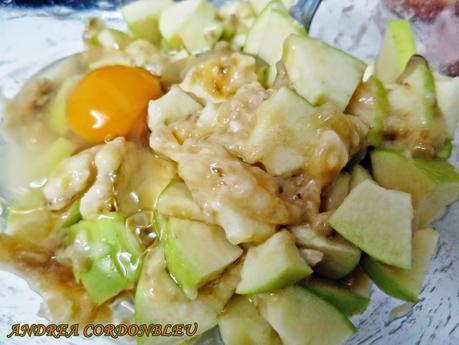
{"points": [[32, 37]]}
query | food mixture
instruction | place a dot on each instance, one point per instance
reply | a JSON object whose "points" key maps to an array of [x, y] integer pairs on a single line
{"points": [[220, 167]]}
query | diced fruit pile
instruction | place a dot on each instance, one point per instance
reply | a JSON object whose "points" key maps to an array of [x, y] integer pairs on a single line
{"points": [[282, 174]]}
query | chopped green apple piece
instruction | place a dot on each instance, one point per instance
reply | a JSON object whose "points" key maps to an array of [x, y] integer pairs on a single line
{"points": [[301, 317], [142, 18], [378, 221], [191, 341], [397, 47], [370, 103], [283, 160], [415, 123], [108, 256], [417, 80], [37, 221], [370, 70], [104, 280], [269, 76], [448, 101], [358, 282], [159, 300], [241, 228], [341, 296], [289, 3], [335, 194], [259, 5], [25, 184], [445, 151], [237, 17], [241, 324], [290, 120], [57, 118], [404, 284], [432, 183], [24, 198], [141, 179], [238, 40], [40, 221], [143, 224], [60, 149], [113, 39], [340, 257], [93, 27], [196, 253], [271, 265], [266, 37], [191, 23], [311, 256], [321, 73], [71, 216], [174, 105], [159, 224], [174, 17], [358, 175], [97, 35], [176, 201], [200, 33]]}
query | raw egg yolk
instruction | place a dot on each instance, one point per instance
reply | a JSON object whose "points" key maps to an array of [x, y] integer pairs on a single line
{"points": [[111, 101]]}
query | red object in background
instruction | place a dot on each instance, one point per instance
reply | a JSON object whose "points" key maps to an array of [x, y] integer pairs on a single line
{"points": [[443, 42], [443, 18], [420, 9], [452, 69]]}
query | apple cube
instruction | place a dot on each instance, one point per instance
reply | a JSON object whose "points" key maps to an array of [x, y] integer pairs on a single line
{"points": [[271, 265], [378, 221]]}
